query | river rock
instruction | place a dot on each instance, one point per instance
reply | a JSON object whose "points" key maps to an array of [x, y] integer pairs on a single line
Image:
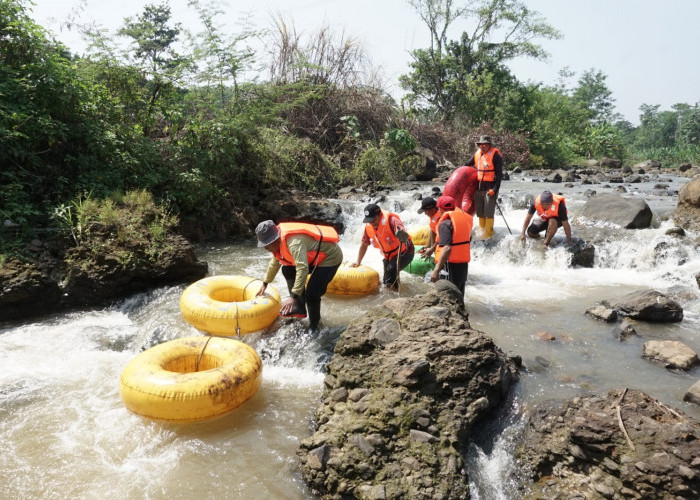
{"points": [[578, 449], [582, 253], [94, 276], [630, 213], [420, 395], [293, 206], [693, 394], [646, 305], [687, 213], [672, 353]]}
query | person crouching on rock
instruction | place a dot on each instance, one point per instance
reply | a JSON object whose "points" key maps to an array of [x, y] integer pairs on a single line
{"points": [[301, 250], [551, 209], [453, 251], [386, 232]]}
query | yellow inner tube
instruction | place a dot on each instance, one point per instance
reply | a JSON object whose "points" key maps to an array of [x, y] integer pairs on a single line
{"points": [[361, 280], [227, 305], [191, 379], [420, 235]]}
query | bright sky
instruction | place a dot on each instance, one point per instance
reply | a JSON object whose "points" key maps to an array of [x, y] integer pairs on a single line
{"points": [[648, 49]]}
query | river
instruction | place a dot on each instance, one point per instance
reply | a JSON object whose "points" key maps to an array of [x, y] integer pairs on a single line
{"points": [[66, 433]]}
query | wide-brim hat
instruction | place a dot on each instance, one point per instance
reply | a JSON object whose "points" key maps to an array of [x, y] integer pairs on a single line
{"points": [[267, 232], [484, 139]]}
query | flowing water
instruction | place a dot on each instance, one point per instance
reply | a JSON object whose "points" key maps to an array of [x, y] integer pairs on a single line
{"points": [[65, 432]]}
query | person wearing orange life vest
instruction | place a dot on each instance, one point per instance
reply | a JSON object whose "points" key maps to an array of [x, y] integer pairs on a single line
{"points": [[385, 231], [301, 249], [551, 209], [453, 244], [489, 164], [429, 207]]}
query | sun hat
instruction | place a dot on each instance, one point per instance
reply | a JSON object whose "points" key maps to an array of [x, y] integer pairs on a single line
{"points": [[484, 139], [267, 232]]}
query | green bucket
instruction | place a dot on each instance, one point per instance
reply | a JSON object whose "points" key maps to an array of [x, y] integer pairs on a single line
{"points": [[419, 265]]}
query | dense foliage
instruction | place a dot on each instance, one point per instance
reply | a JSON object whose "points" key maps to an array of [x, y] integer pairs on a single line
{"points": [[154, 107]]}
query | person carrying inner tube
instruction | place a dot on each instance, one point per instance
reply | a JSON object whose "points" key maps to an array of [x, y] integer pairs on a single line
{"points": [[552, 212], [461, 185], [301, 249], [429, 207], [453, 251], [386, 232], [489, 165]]}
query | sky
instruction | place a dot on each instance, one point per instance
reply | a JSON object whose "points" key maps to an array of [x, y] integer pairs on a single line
{"points": [[647, 49]]}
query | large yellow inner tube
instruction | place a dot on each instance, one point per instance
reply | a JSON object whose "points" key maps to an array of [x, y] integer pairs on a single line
{"points": [[191, 379], [227, 305], [361, 280], [420, 235]]}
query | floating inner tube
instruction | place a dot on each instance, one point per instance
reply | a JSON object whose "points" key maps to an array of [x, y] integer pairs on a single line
{"points": [[191, 379], [361, 280], [419, 265], [420, 235], [227, 305]]}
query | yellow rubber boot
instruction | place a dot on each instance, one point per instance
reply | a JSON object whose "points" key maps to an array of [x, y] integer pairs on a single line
{"points": [[488, 228], [482, 222]]}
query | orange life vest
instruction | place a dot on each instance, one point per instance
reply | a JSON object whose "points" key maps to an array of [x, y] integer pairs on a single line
{"points": [[484, 164], [435, 219], [384, 238], [552, 211], [461, 232], [318, 232]]}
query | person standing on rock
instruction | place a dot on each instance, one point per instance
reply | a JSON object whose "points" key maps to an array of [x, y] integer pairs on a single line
{"points": [[301, 250], [385, 231], [453, 251], [428, 206], [489, 165], [551, 209]]}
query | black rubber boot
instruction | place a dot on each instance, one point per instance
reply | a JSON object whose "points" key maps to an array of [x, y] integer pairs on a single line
{"points": [[314, 314]]}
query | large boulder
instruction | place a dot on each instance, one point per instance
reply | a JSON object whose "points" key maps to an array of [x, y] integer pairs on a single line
{"points": [[629, 213], [646, 305], [687, 213], [94, 275], [625, 445], [405, 386], [294, 206]]}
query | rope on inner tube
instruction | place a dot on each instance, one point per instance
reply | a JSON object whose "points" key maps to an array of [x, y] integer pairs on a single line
{"points": [[196, 368]]}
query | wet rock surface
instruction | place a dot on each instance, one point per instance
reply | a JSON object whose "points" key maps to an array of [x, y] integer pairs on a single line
{"points": [[623, 445], [403, 390], [78, 278]]}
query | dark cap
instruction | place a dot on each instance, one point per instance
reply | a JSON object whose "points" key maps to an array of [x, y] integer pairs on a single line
{"points": [[267, 232], [371, 211], [446, 202], [546, 197], [484, 139], [426, 204]]}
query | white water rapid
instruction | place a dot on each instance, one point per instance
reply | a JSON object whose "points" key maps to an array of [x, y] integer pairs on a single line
{"points": [[66, 434]]}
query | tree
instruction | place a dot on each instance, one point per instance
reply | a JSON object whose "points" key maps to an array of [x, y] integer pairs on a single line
{"points": [[474, 66], [593, 93], [153, 50]]}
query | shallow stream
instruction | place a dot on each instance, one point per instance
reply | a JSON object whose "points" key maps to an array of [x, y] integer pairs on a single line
{"points": [[66, 433]]}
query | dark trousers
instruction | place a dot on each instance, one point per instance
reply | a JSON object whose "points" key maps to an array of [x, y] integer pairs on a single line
{"points": [[456, 273], [314, 290], [391, 273]]}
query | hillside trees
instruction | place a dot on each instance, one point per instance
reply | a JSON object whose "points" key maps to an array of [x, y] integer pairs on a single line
{"points": [[465, 77]]}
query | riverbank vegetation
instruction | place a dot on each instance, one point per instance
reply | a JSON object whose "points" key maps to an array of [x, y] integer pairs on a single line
{"points": [[203, 123]]}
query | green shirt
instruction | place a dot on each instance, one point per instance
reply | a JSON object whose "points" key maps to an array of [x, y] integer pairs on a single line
{"points": [[299, 245]]}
